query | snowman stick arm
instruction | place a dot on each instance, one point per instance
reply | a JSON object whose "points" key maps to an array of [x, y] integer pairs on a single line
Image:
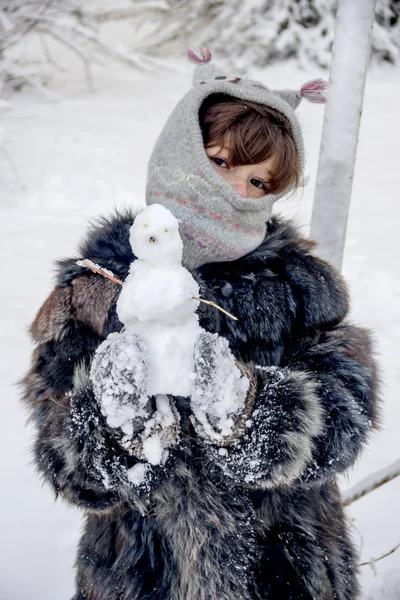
{"points": [[88, 264], [211, 303]]}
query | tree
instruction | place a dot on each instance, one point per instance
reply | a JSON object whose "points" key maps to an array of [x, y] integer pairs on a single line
{"points": [[243, 32], [341, 126], [68, 23]]}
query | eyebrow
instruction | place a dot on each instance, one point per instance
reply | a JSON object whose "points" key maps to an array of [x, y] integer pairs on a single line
{"points": [[268, 172]]}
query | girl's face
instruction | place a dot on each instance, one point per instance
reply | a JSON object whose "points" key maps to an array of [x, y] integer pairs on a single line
{"points": [[250, 181]]}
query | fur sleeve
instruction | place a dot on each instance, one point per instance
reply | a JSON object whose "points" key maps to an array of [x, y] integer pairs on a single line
{"points": [[75, 450], [311, 416]]}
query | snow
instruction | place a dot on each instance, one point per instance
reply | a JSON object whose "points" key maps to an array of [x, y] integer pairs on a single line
{"points": [[159, 432], [152, 449], [157, 294], [219, 389], [137, 473], [118, 371], [78, 157]]}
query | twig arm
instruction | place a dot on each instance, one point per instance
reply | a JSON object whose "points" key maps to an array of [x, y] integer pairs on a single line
{"points": [[88, 264], [211, 303]]}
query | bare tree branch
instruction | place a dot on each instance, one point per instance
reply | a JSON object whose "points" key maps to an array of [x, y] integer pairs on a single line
{"points": [[372, 482], [86, 60], [72, 26], [26, 27], [140, 9], [374, 560], [48, 55]]}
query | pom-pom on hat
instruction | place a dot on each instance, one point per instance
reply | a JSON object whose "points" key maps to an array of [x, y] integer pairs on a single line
{"points": [[217, 223]]}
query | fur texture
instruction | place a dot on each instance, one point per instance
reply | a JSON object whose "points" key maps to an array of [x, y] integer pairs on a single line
{"points": [[259, 518]]}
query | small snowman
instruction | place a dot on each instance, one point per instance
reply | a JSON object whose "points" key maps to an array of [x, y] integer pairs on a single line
{"points": [[157, 301]]}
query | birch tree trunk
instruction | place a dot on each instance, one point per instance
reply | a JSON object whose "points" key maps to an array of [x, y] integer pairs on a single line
{"points": [[352, 45]]}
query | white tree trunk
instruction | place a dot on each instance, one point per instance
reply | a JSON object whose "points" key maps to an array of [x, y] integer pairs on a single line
{"points": [[348, 71]]}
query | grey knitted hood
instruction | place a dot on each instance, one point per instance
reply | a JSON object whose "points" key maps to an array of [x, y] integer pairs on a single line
{"points": [[216, 223]]}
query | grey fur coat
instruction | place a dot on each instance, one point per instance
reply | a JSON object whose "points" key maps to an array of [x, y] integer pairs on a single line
{"points": [[262, 519]]}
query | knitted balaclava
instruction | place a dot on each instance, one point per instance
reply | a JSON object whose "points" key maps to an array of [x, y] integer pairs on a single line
{"points": [[216, 223]]}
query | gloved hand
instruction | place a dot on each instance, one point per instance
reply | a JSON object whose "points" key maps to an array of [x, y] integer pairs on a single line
{"points": [[119, 375], [220, 390], [148, 426]]}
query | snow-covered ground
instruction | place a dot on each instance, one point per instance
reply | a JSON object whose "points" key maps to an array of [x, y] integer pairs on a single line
{"points": [[69, 158]]}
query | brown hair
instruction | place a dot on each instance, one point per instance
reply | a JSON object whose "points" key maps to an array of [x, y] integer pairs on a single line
{"points": [[255, 133]]}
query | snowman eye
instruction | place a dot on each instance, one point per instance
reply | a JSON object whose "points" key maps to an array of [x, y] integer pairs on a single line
{"points": [[165, 229]]}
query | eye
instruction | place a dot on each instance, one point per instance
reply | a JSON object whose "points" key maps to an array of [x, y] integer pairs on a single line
{"points": [[259, 184], [219, 161]]}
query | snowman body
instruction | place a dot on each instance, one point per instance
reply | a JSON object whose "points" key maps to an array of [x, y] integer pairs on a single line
{"points": [[157, 302]]}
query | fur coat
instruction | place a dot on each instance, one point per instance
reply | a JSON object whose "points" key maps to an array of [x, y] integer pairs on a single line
{"points": [[261, 518]]}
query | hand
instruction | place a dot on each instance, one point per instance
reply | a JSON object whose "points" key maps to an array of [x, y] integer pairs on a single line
{"points": [[285, 421], [220, 389], [119, 375]]}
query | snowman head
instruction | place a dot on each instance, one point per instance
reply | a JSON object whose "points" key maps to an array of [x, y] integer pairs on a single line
{"points": [[154, 236]]}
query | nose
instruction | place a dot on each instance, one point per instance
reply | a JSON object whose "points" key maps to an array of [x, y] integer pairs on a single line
{"points": [[241, 188]]}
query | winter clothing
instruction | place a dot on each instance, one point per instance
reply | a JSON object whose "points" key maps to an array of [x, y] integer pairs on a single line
{"points": [[119, 376], [260, 517], [221, 389], [217, 223]]}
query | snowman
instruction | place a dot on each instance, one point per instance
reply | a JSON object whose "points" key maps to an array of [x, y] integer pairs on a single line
{"points": [[158, 303]]}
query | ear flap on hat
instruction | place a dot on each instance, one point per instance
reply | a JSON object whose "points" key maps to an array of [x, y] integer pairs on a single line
{"points": [[204, 70], [313, 91]]}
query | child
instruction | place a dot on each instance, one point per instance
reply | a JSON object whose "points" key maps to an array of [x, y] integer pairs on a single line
{"points": [[255, 512]]}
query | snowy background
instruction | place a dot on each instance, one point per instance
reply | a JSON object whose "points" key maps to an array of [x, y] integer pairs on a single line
{"points": [[70, 154]]}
